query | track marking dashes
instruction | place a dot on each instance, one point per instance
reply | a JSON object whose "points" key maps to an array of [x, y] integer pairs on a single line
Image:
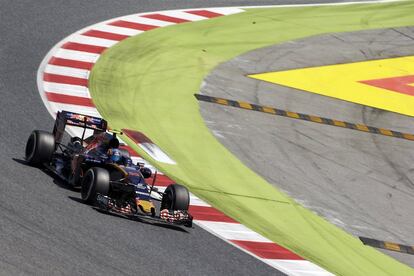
{"points": [[305, 117], [388, 245]]}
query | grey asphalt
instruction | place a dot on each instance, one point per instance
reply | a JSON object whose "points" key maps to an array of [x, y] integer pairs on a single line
{"points": [[44, 229], [361, 182]]}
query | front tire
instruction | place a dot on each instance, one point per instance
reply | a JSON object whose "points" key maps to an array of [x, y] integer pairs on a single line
{"points": [[39, 147], [96, 180], [176, 197]]}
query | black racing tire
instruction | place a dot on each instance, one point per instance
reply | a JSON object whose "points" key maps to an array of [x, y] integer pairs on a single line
{"points": [[176, 197], [96, 180], [39, 147]]}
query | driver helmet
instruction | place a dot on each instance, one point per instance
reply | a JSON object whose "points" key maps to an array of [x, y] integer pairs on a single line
{"points": [[114, 143], [115, 155], [128, 161]]}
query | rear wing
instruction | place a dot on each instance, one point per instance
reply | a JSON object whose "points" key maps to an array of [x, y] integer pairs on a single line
{"points": [[64, 118]]}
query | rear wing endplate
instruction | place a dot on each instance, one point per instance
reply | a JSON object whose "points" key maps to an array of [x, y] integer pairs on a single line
{"points": [[64, 118]]}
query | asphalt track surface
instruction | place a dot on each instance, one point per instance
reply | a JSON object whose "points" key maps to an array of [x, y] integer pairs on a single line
{"points": [[361, 182], [44, 229]]}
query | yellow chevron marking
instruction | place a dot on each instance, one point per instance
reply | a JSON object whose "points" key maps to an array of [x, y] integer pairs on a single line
{"points": [[343, 81]]}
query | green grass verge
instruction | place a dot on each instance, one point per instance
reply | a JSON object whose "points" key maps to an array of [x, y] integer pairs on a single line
{"points": [[147, 83]]}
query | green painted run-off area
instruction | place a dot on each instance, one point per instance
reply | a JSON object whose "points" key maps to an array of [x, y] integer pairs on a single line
{"points": [[147, 83]]}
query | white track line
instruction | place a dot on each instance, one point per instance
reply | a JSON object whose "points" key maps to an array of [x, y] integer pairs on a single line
{"points": [[227, 11]]}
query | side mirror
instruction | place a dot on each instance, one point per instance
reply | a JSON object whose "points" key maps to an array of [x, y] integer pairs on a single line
{"points": [[146, 172]]}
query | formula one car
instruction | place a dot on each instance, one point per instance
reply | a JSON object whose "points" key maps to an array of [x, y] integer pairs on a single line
{"points": [[105, 173]]}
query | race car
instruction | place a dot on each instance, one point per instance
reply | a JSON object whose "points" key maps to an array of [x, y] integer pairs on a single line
{"points": [[104, 171]]}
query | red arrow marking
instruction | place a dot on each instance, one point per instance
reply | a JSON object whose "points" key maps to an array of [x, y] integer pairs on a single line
{"points": [[396, 84]]}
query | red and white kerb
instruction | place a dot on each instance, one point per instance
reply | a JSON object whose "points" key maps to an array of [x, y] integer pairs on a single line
{"points": [[63, 85]]}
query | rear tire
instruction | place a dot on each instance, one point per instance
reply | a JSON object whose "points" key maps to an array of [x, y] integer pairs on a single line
{"points": [[39, 147], [96, 180], [176, 197]]}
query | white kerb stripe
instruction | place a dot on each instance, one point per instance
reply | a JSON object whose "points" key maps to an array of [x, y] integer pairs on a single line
{"points": [[156, 153], [76, 55], [77, 109], [298, 267], [232, 231], [197, 201], [183, 15], [226, 11], [67, 71], [95, 41], [116, 30], [146, 21], [67, 89]]}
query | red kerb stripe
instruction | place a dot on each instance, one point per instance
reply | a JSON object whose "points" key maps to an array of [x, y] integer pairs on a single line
{"points": [[132, 25], [209, 214], [205, 13], [65, 79], [267, 250], [83, 47], [71, 63], [67, 99], [105, 35], [166, 18]]}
